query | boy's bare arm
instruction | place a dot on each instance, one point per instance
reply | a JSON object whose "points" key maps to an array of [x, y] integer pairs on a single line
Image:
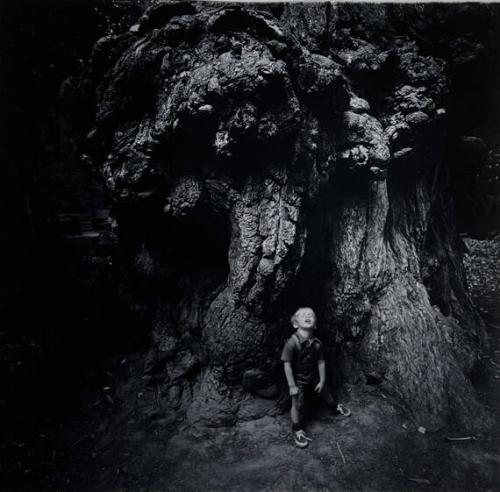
{"points": [[322, 375], [290, 379]]}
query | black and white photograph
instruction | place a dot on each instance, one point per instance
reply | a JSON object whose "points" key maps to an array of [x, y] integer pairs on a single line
{"points": [[249, 246]]}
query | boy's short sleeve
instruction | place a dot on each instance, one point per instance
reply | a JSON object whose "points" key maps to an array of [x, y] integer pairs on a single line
{"points": [[288, 351], [320, 352]]}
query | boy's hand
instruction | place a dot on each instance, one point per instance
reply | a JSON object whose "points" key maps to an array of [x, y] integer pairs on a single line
{"points": [[319, 387], [294, 390]]}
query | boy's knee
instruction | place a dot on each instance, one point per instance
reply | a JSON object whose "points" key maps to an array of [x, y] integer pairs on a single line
{"points": [[298, 401]]}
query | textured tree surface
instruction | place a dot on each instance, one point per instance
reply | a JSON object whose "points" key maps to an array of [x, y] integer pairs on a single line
{"points": [[262, 158]]}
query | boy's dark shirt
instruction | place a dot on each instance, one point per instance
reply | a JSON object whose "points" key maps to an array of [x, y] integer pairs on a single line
{"points": [[304, 360]]}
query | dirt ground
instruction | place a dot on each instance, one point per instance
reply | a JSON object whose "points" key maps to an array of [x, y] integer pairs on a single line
{"points": [[371, 450], [100, 440]]}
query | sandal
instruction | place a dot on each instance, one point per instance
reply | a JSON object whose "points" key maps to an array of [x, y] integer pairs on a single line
{"points": [[342, 410], [301, 439]]}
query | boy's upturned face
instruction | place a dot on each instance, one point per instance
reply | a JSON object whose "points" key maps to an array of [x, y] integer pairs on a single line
{"points": [[305, 319]]}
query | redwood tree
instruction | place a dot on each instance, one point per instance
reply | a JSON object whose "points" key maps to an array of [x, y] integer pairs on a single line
{"points": [[266, 157]]}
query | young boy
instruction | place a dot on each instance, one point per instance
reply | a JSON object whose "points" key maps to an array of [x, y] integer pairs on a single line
{"points": [[304, 364]]}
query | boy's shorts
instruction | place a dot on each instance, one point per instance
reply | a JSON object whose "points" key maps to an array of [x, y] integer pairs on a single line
{"points": [[306, 391]]}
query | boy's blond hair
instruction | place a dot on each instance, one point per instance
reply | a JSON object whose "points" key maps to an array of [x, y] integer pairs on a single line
{"points": [[294, 315]]}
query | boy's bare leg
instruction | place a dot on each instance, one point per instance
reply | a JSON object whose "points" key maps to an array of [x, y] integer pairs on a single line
{"points": [[297, 414], [297, 411], [328, 397]]}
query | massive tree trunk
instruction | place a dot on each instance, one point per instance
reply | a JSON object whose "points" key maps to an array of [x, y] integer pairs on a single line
{"points": [[262, 158]]}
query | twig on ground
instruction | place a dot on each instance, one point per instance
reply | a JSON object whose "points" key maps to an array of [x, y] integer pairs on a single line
{"points": [[420, 480], [341, 454], [79, 441], [468, 438]]}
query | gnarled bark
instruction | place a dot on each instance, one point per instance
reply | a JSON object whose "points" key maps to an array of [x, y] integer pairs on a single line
{"points": [[265, 157]]}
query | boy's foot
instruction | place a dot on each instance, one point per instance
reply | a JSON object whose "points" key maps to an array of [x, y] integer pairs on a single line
{"points": [[344, 411], [301, 439]]}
